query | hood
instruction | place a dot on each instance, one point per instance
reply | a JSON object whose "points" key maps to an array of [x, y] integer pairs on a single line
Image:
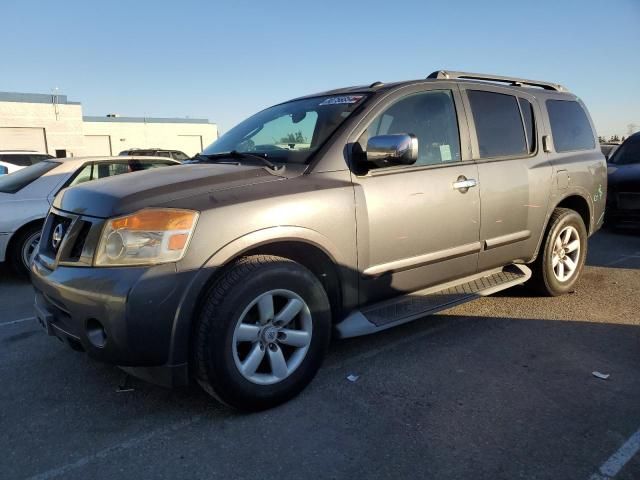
{"points": [[126, 193], [624, 178]]}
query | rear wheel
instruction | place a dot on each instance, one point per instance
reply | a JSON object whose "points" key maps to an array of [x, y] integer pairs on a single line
{"points": [[262, 334], [22, 248], [562, 255]]}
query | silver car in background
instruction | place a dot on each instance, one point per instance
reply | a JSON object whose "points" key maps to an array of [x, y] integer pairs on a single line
{"points": [[27, 194]]}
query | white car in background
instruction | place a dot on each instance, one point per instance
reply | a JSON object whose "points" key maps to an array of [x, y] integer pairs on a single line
{"points": [[14, 160], [26, 195]]}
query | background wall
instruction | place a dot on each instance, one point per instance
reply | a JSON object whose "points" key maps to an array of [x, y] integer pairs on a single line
{"points": [[46, 124]]}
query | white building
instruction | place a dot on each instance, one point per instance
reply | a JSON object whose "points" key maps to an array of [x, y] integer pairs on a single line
{"points": [[52, 124]]}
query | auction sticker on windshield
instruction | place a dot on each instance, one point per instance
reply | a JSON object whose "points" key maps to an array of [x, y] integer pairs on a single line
{"points": [[342, 100]]}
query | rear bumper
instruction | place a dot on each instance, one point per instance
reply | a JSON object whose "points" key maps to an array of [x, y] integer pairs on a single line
{"points": [[123, 316]]}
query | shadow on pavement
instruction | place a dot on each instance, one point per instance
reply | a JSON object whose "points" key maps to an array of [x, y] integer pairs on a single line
{"points": [[447, 396]]}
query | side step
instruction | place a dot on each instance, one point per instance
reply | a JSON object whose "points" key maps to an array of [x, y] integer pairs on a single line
{"points": [[412, 306]]}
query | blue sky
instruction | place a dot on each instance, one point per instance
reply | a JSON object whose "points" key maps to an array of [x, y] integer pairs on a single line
{"points": [[224, 60]]}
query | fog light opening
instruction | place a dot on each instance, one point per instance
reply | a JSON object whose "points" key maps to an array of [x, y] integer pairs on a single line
{"points": [[96, 333]]}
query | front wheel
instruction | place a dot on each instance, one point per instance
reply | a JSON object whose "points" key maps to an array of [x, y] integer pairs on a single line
{"points": [[262, 334], [22, 248], [562, 255]]}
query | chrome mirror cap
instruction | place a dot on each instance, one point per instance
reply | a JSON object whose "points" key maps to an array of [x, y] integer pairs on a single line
{"points": [[396, 149]]}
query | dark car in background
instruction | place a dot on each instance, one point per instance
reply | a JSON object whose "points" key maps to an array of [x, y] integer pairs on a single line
{"points": [[156, 152], [623, 200]]}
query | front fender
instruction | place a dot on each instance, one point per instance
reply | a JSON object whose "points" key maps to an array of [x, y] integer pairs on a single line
{"points": [[188, 306]]}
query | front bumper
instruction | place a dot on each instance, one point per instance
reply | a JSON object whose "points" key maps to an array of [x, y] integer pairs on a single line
{"points": [[124, 316], [4, 243]]}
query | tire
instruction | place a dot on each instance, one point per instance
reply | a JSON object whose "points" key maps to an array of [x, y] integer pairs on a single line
{"points": [[558, 265], [21, 249], [236, 325]]}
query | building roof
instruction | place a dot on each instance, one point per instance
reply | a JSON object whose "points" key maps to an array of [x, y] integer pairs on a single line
{"points": [[19, 97], [35, 98]]}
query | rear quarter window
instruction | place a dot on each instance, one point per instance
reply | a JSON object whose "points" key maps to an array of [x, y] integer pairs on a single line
{"points": [[570, 126]]}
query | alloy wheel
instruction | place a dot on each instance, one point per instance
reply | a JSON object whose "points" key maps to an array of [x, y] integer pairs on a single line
{"points": [[272, 337]]}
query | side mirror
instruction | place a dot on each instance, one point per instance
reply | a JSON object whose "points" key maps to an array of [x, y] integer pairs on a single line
{"points": [[397, 149], [3, 170]]}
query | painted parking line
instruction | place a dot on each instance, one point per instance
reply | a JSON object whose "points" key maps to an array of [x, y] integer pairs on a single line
{"points": [[619, 459], [126, 445], [13, 322]]}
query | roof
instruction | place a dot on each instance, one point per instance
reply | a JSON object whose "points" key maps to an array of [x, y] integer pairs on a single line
{"points": [[458, 77]]}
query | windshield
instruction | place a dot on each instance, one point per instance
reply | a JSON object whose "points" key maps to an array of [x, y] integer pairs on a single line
{"points": [[628, 153], [18, 180], [290, 132]]}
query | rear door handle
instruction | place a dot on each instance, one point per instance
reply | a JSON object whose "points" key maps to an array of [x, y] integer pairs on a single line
{"points": [[463, 183]]}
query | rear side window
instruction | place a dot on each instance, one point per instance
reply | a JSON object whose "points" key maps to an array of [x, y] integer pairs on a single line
{"points": [[498, 124], [570, 126], [16, 181]]}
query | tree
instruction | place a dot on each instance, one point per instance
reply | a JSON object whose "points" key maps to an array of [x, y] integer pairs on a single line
{"points": [[297, 137], [601, 139]]}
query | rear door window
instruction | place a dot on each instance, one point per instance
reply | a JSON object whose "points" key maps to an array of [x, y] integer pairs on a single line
{"points": [[570, 126], [498, 124]]}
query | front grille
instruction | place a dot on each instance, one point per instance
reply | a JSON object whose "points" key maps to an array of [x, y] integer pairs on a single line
{"points": [[81, 238], [46, 243], [68, 239]]}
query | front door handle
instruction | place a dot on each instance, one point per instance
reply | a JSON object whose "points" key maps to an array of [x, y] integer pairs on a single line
{"points": [[463, 183]]}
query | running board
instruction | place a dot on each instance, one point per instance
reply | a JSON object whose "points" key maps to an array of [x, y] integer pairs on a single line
{"points": [[403, 309]]}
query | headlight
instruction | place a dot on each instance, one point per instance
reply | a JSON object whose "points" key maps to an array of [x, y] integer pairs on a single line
{"points": [[147, 237]]}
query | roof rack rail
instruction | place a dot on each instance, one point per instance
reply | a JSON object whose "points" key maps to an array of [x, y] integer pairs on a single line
{"points": [[518, 82]]}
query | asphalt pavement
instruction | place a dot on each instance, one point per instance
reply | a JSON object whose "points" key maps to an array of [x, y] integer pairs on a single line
{"points": [[500, 388]]}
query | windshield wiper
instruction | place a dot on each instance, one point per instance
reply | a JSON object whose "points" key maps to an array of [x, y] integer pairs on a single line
{"points": [[239, 156]]}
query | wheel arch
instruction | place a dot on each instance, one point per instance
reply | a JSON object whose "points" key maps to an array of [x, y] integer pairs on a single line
{"points": [[580, 205], [16, 233], [574, 201], [301, 245]]}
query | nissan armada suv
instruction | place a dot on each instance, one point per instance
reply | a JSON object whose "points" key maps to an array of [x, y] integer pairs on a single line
{"points": [[342, 213]]}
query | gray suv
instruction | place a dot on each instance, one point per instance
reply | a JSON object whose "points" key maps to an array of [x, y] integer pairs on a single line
{"points": [[342, 213]]}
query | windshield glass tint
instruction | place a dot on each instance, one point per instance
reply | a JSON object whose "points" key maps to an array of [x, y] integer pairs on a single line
{"points": [[18, 180], [289, 132], [628, 153]]}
